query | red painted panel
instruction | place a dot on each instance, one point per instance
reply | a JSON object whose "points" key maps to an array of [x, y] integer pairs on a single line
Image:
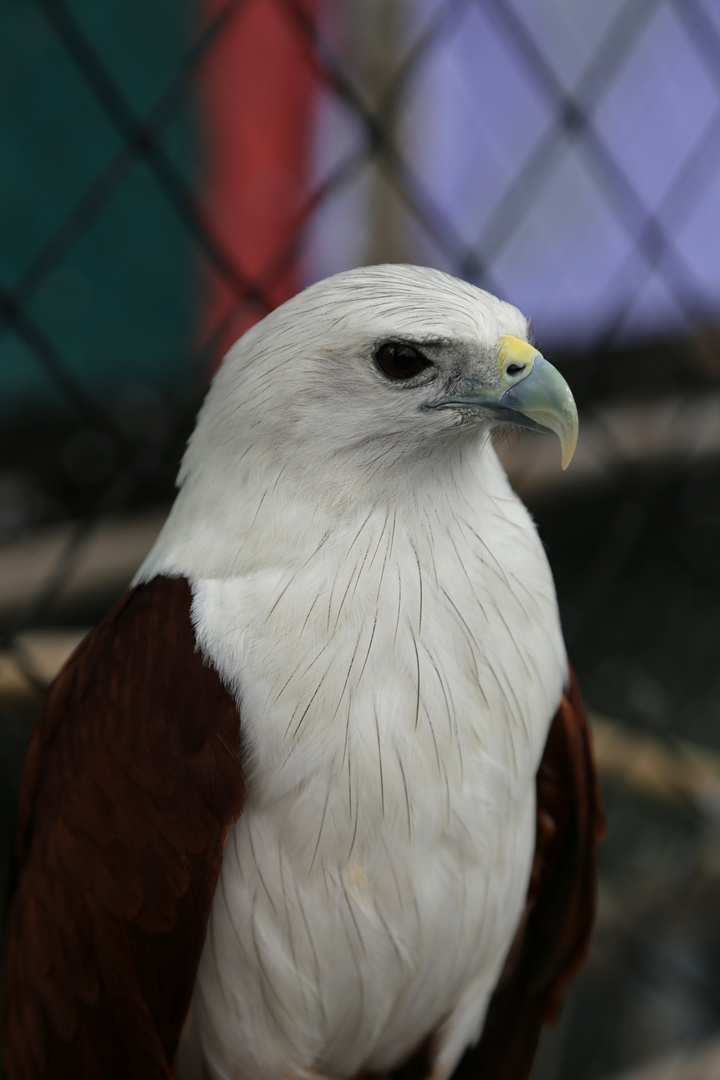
{"points": [[258, 86]]}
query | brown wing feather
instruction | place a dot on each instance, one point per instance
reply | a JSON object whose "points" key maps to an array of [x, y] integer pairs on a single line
{"points": [[132, 780], [555, 932]]}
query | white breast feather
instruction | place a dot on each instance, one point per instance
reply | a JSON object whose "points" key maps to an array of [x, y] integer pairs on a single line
{"points": [[395, 694]]}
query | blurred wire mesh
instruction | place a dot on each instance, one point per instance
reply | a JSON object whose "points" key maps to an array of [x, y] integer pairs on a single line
{"points": [[172, 172]]}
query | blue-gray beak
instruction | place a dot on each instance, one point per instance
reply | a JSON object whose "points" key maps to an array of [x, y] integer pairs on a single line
{"points": [[530, 392]]}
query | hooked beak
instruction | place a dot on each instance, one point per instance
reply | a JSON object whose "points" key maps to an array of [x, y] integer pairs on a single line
{"points": [[530, 392]]}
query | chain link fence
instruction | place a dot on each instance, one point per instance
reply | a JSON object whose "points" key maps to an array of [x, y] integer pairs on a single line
{"points": [[566, 157]]}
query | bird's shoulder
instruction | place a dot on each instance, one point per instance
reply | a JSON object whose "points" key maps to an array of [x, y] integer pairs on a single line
{"points": [[132, 779]]}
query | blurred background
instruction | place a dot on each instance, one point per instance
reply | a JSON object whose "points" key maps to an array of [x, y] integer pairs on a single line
{"points": [[171, 171]]}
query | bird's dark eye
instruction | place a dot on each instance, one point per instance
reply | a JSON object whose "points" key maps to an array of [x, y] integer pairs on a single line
{"points": [[400, 361]]}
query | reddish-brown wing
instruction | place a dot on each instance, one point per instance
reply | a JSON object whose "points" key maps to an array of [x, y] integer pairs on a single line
{"points": [[132, 780], [555, 932]]}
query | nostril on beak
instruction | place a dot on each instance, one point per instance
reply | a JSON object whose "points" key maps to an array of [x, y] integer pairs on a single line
{"points": [[514, 369]]}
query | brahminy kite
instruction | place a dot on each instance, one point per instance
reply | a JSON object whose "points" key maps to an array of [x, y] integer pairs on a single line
{"points": [[317, 798]]}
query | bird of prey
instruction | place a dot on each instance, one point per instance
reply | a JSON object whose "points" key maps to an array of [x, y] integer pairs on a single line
{"points": [[317, 799]]}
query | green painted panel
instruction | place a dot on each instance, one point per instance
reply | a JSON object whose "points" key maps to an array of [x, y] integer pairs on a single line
{"points": [[117, 302]]}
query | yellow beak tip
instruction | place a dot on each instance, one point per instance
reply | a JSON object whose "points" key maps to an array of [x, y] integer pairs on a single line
{"points": [[568, 452]]}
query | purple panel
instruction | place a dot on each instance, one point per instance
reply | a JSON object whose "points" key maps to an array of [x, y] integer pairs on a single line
{"points": [[557, 232], [656, 107], [470, 120]]}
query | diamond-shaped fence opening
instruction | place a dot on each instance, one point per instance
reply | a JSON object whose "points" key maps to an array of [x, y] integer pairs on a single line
{"points": [[172, 172]]}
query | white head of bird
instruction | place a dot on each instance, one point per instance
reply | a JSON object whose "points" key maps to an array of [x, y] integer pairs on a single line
{"points": [[367, 388]]}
